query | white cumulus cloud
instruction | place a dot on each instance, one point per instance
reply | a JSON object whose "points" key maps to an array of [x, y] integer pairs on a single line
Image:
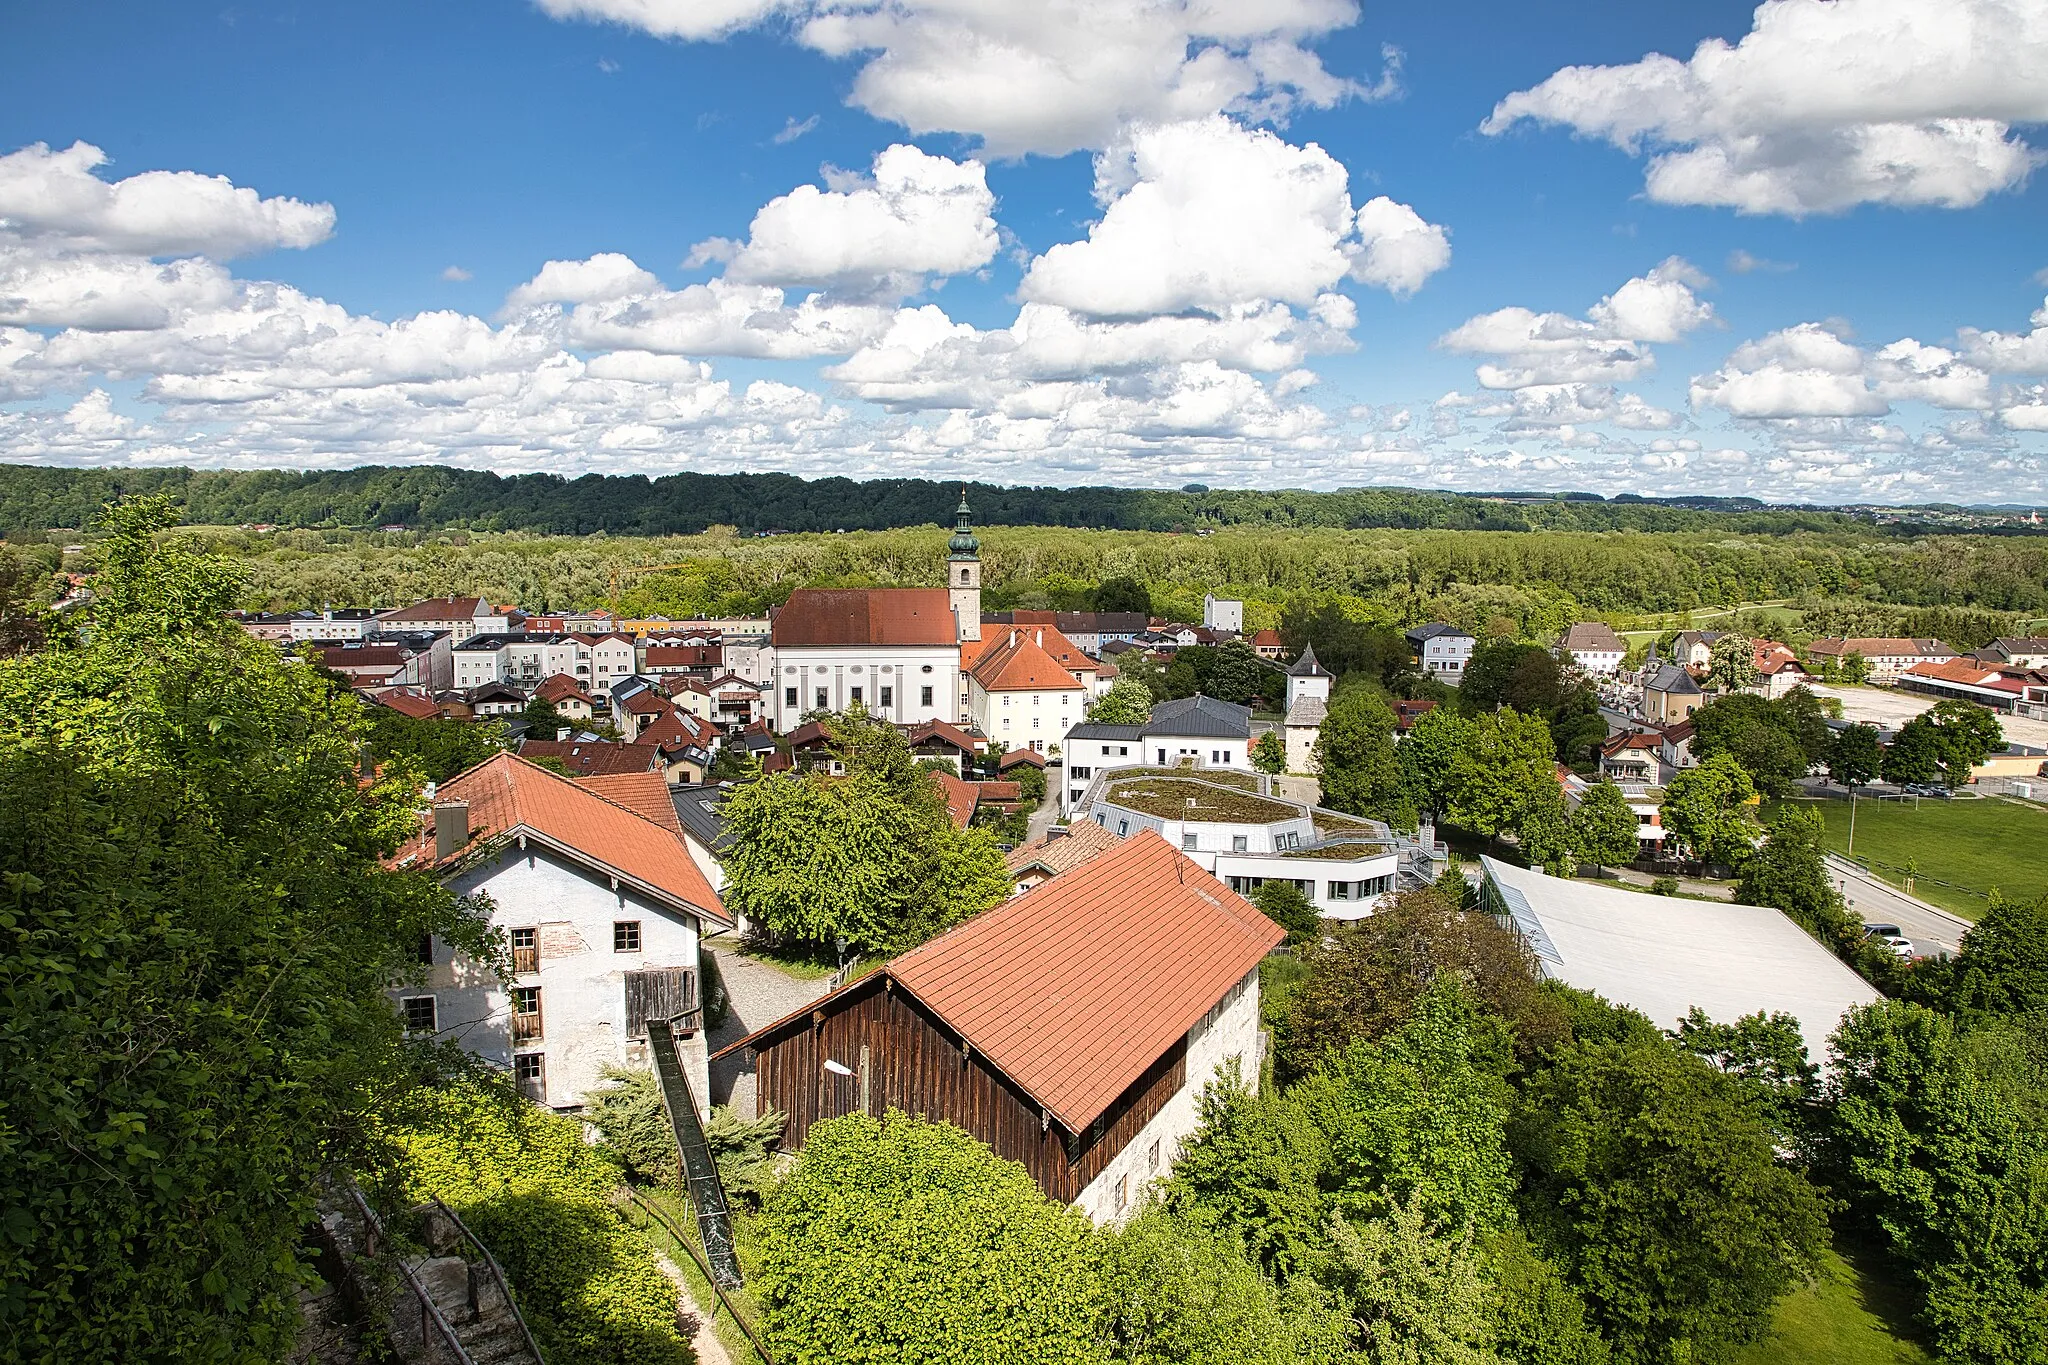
{"points": [[1611, 343], [1823, 105]]}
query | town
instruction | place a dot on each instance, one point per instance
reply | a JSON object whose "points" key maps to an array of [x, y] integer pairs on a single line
{"points": [[1083, 886]]}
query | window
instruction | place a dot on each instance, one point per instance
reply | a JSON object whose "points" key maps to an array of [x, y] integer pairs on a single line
{"points": [[1216, 756], [1123, 827], [626, 936], [1123, 1192], [424, 951], [821, 700], [1240, 843], [530, 1073], [789, 696], [525, 1013], [963, 575], [1187, 842], [1122, 750], [888, 697], [854, 694], [1162, 758], [1340, 891], [1152, 1159], [419, 1014], [924, 696], [525, 951], [1080, 774]]}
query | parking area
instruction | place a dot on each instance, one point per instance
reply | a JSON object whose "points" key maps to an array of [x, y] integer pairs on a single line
{"points": [[1891, 708]]}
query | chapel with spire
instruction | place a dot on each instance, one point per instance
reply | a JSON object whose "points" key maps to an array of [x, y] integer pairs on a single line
{"points": [[963, 572]]}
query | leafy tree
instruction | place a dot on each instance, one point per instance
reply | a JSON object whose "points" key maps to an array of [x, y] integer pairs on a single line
{"points": [[1355, 758], [1756, 733], [439, 748], [1180, 1291], [1968, 734], [1547, 837], [2003, 965], [1345, 644], [1511, 673], [540, 713], [1123, 593], [1538, 1317], [1181, 678], [1030, 780], [1505, 765], [1789, 871], [899, 1238], [1417, 1290], [1253, 1165], [1732, 663], [1281, 901], [1768, 1054], [1805, 717], [196, 936], [1269, 753], [1707, 809], [1418, 1117], [1915, 753], [1949, 1167], [1577, 728], [1653, 1180], [1855, 668], [1428, 755], [1855, 757], [1367, 975], [1604, 828], [1238, 675], [871, 857]]}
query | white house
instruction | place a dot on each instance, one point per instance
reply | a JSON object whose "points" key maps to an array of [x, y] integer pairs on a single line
{"points": [[1308, 703], [1018, 694], [1887, 656], [603, 908], [350, 623], [1444, 651], [1196, 731], [526, 660], [1221, 613], [1594, 647], [460, 616]]}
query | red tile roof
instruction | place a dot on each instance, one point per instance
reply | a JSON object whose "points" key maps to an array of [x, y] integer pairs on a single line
{"points": [[647, 702], [585, 757], [1017, 756], [645, 794], [508, 795], [436, 609], [1268, 638], [865, 616], [408, 703], [1018, 663], [961, 798], [1880, 647], [561, 687], [1968, 673], [674, 730], [1077, 986], [1081, 842], [950, 735]]}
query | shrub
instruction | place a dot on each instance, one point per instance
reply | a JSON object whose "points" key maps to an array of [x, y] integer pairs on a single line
{"points": [[909, 1241], [538, 1195], [1664, 886]]}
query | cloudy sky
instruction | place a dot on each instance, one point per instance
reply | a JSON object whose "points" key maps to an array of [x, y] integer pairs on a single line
{"points": [[1798, 251]]}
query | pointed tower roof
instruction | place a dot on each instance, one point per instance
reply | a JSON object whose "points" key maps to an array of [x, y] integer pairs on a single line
{"points": [[963, 545], [1306, 666]]}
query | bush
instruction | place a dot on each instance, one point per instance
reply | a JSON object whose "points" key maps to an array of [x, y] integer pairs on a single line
{"points": [[1664, 886], [538, 1195], [909, 1241]]}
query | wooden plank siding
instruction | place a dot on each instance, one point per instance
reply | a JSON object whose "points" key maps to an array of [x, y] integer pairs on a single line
{"points": [[902, 1056]]}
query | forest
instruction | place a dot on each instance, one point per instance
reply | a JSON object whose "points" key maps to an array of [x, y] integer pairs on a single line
{"points": [[438, 498]]}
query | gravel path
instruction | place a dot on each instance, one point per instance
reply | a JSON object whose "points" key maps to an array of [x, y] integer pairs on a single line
{"points": [[761, 993]]}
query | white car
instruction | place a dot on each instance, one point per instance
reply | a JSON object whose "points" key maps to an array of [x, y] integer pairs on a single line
{"points": [[1903, 947]]}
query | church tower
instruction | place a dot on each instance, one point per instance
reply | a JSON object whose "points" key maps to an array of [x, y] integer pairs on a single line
{"points": [[963, 574]]}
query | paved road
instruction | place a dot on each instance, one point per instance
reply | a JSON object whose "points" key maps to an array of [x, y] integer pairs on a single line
{"points": [[1932, 929], [761, 993]]}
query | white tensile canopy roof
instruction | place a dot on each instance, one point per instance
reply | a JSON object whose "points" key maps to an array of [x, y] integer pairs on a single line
{"points": [[1664, 954]]}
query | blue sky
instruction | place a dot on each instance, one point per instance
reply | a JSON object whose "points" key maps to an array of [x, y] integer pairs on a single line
{"points": [[1264, 244]]}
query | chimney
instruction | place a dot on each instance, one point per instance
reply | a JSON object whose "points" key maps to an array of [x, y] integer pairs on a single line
{"points": [[451, 829]]}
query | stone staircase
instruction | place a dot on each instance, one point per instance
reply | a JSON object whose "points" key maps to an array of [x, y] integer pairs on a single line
{"points": [[468, 1290]]}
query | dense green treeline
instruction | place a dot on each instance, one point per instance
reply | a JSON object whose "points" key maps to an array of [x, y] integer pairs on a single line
{"points": [[1537, 581], [435, 498]]}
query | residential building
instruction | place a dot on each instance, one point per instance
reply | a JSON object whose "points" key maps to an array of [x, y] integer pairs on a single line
{"points": [[1671, 694], [1091, 748], [1694, 650], [1062, 849], [1231, 826], [636, 704], [1664, 956], [1594, 647], [893, 651], [349, 623], [1018, 694], [413, 659], [949, 743], [604, 910], [494, 700], [599, 662], [1778, 669], [1071, 1028], [592, 757], [570, 698], [266, 625], [1089, 630], [1888, 656], [1308, 703], [461, 617], [407, 701], [1267, 644], [2030, 651], [1444, 651], [1214, 734], [1222, 614], [1639, 787], [1408, 710], [661, 655], [1632, 757]]}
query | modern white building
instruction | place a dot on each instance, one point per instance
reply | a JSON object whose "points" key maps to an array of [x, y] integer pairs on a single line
{"points": [[350, 623], [604, 910], [1221, 613], [526, 660], [1193, 731], [1232, 827], [1444, 651]]}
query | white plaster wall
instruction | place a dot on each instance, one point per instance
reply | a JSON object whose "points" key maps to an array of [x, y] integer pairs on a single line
{"points": [[1026, 720], [475, 667], [1231, 1030], [582, 981], [1320, 871], [1213, 753], [870, 668], [1597, 660], [1092, 756], [1446, 656]]}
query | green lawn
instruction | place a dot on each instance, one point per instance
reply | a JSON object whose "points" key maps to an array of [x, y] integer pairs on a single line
{"points": [[1852, 1314], [1973, 844]]}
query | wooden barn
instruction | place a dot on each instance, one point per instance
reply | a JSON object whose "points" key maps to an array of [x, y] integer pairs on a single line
{"points": [[1071, 1028]]}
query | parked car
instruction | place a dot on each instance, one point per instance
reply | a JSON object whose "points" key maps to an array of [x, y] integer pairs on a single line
{"points": [[1882, 930], [1901, 947]]}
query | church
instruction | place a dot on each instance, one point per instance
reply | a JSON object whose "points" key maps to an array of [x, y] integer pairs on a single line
{"points": [[893, 651]]}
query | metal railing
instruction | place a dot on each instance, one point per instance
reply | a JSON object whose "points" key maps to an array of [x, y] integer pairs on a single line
{"points": [[432, 1322], [655, 1212], [497, 1274]]}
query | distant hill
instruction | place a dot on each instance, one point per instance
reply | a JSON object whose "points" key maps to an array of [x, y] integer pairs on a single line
{"points": [[432, 498]]}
